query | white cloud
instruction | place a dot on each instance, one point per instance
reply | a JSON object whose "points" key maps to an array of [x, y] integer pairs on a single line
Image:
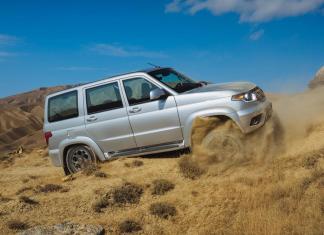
{"points": [[249, 10], [256, 35], [8, 39], [119, 51]]}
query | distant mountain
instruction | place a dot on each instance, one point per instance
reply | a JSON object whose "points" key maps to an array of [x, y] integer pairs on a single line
{"points": [[318, 79], [21, 119]]}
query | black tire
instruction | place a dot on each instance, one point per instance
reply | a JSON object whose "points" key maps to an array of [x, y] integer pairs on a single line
{"points": [[77, 158]]}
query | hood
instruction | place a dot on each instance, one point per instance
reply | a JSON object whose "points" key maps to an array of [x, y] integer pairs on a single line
{"points": [[235, 87]]}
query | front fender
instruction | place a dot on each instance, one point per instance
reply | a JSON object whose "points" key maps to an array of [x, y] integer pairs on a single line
{"points": [[81, 140], [187, 131]]}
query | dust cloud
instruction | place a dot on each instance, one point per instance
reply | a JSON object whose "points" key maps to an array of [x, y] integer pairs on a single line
{"points": [[295, 118]]}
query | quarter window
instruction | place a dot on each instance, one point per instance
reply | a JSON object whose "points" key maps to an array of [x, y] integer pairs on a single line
{"points": [[138, 90], [103, 98], [63, 107]]}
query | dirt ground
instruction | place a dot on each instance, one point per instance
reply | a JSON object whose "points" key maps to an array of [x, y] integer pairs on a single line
{"points": [[278, 189]]}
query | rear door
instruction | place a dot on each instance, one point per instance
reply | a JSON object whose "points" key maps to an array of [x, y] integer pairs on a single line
{"points": [[154, 122], [106, 117]]}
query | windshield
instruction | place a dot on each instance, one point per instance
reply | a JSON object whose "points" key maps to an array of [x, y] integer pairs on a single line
{"points": [[174, 80]]}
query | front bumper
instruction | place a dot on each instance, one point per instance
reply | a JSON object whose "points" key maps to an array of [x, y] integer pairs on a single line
{"points": [[254, 117]]}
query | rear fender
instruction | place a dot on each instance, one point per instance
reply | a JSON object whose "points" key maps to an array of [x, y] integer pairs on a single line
{"points": [[81, 140]]}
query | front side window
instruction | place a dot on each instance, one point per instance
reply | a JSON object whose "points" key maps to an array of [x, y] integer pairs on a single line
{"points": [[63, 107], [138, 90], [175, 80], [103, 98]]}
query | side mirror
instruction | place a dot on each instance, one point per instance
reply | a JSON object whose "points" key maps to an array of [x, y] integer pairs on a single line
{"points": [[158, 94]]}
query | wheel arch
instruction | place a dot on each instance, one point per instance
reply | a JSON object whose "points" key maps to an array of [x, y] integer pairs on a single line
{"points": [[65, 145], [223, 114]]}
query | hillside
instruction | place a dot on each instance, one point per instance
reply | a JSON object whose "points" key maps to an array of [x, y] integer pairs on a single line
{"points": [[21, 119], [277, 188]]}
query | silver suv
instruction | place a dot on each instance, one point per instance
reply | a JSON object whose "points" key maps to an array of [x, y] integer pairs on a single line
{"points": [[143, 112]]}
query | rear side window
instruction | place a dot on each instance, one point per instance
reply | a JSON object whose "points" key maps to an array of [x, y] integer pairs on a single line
{"points": [[63, 107], [103, 98]]}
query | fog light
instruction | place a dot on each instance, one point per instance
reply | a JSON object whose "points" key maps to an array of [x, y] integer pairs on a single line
{"points": [[256, 120]]}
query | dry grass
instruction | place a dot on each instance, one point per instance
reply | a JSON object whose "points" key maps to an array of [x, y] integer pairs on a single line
{"points": [[163, 210], [129, 226], [17, 225], [189, 168], [90, 169], [162, 186]]}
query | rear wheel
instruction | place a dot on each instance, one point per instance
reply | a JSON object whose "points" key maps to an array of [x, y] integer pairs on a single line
{"points": [[78, 158]]}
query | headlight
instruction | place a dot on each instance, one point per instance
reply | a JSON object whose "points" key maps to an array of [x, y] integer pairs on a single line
{"points": [[252, 95]]}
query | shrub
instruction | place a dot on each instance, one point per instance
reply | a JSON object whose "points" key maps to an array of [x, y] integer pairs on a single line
{"points": [[137, 163], [4, 199], [100, 204], [189, 168], [100, 174], [161, 186], [23, 189], [163, 210], [309, 162], [49, 188], [127, 193], [134, 163], [17, 225], [129, 226], [28, 200]]}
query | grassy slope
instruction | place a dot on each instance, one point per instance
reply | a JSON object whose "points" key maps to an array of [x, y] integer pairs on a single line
{"points": [[281, 194]]}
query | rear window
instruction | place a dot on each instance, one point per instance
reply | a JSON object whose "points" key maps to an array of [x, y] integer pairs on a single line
{"points": [[63, 107], [103, 98]]}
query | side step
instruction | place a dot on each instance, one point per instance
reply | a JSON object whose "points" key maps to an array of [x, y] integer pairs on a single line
{"points": [[148, 149]]}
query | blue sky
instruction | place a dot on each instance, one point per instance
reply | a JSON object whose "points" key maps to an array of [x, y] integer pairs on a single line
{"points": [[276, 44]]}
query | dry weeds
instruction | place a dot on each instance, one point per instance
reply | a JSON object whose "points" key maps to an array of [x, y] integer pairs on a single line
{"points": [[134, 163], [127, 193], [49, 188], [17, 225], [161, 186], [129, 226], [100, 174], [28, 200], [189, 168], [163, 210]]}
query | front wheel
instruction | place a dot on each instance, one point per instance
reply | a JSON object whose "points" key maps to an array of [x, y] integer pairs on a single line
{"points": [[222, 145], [78, 158]]}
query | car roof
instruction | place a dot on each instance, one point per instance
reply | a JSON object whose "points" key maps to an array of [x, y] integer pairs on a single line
{"points": [[148, 70]]}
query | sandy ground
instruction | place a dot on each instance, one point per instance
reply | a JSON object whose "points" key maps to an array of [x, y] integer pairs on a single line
{"points": [[271, 192]]}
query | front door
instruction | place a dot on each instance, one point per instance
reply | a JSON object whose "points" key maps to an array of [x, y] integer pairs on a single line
{"points": [[153, 122], [106, 118]]}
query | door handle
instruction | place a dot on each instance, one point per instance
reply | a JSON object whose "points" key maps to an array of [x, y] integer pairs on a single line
{"points": [[92, 119], [135, 110]]}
